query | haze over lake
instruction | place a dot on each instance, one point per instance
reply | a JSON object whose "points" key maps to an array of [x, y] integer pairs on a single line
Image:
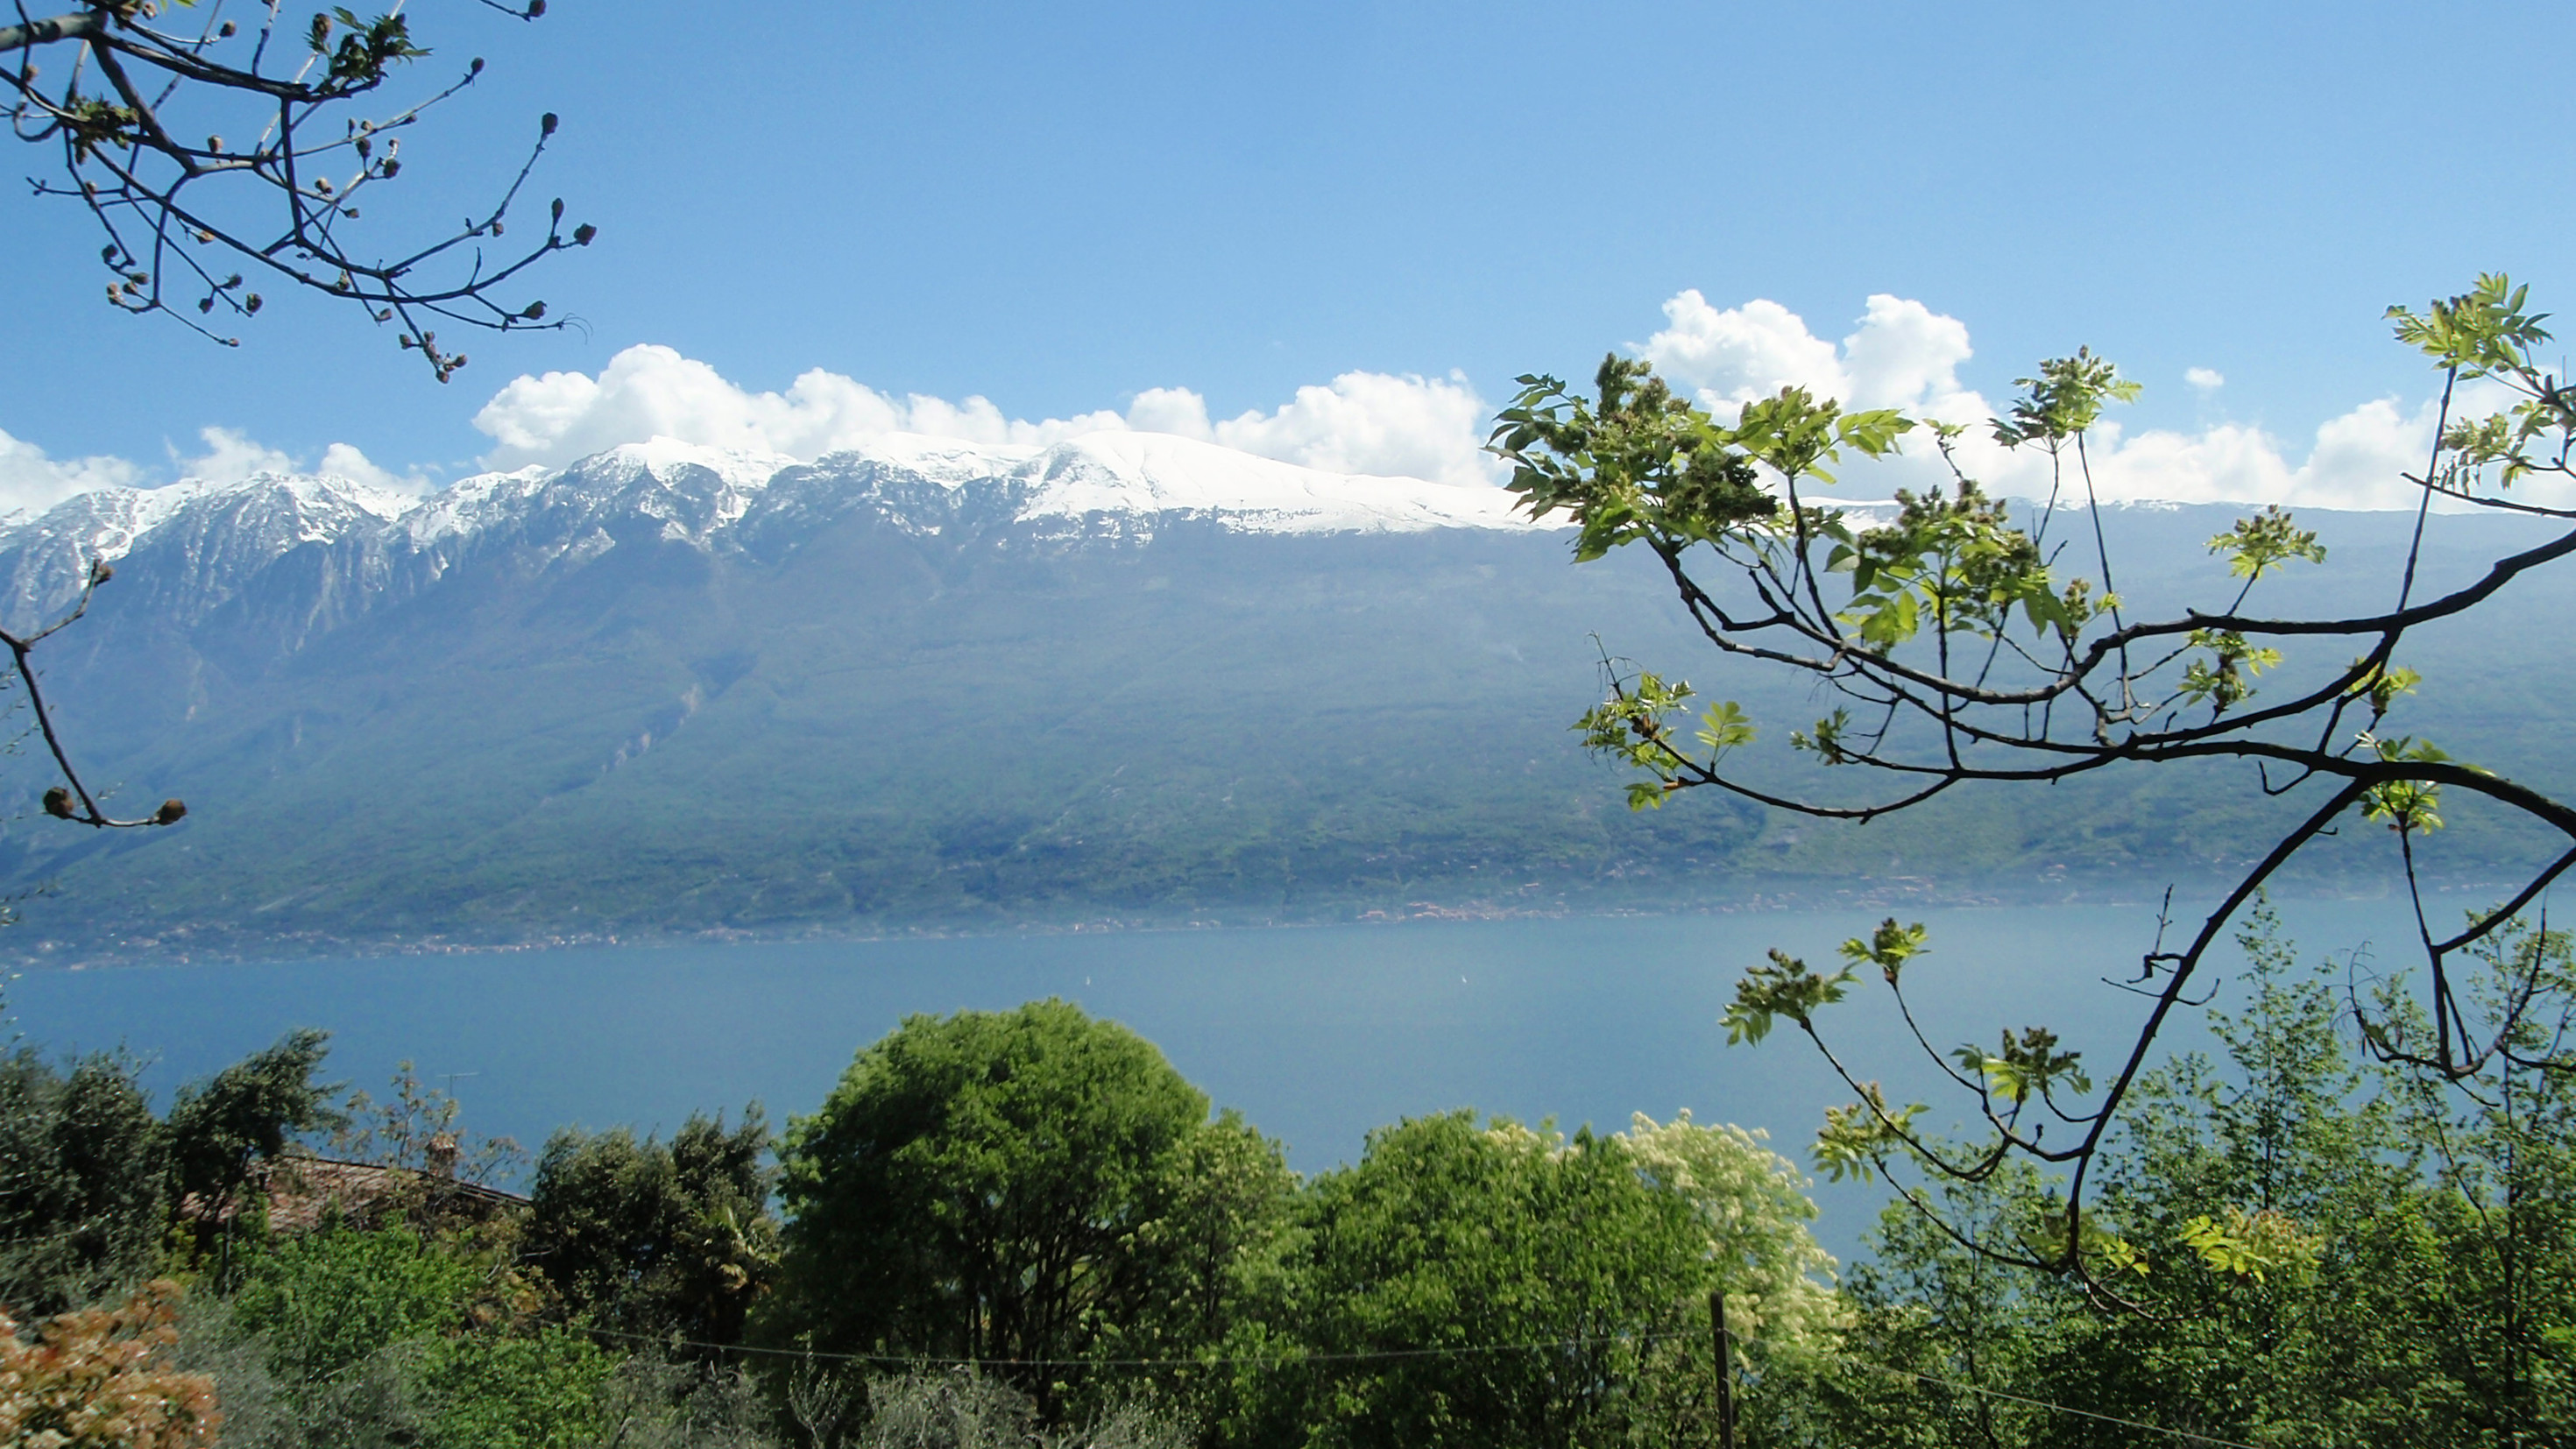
{"points": [[1316, 1034]]}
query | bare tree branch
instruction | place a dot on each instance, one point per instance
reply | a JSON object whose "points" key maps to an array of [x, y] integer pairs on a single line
{"points": [[282, 204]]}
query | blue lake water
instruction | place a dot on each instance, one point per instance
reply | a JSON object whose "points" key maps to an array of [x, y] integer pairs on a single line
{"points": [[1317, 1035]]}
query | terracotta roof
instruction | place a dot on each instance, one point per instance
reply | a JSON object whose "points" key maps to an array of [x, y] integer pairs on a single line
{"points": [[302, 1191]]}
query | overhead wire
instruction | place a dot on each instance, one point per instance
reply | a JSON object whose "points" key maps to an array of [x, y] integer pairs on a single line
{"points": [[1379, 1355]]}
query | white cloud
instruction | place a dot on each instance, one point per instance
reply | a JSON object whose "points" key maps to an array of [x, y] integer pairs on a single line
{"points": [[343, 460], [1902, 354], [1362, 422], [2354, 461], [1742, 353], [31, 481], [1898, 353], [231, 456], [1905, 355]]}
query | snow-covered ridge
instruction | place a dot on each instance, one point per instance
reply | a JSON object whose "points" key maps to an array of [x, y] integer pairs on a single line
{"points": [[206, 540], [1135, 474]]}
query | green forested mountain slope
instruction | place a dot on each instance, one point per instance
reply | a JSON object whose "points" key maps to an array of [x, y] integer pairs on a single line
{"points": [[855, 723]]}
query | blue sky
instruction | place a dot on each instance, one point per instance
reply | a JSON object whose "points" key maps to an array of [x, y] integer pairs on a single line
{"points": [[1063, 208]]}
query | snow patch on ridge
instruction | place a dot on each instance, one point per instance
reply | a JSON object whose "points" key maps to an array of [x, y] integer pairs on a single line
{"points": [[1162, 473], [1128, 480]]}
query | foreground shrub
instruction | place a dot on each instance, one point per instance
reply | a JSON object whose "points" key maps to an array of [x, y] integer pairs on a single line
{"points": [[98, 1378]]}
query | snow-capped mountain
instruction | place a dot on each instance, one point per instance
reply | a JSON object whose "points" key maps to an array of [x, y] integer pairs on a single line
{"points": [[203, 541], [669, 690]]}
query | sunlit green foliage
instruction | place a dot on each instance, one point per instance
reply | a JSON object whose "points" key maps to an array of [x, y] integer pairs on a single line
{"points": [[1448, 1234], [329, 1301], [652, 1237], [977, 1186]]}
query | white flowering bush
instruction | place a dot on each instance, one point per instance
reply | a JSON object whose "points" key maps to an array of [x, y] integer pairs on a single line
{"points": [[1752, 1202]]}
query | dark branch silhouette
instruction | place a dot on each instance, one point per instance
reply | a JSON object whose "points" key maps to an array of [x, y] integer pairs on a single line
{"points": [[140, 114], [1961, 647], [190, 225]]}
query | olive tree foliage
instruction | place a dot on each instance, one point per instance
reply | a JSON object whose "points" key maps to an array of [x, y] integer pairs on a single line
{"points": [[1964, 643], [960, 1408], [220, 156], [221, 1129]]}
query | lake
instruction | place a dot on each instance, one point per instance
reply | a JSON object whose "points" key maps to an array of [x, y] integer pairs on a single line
{"points": [[1317, 1034]]}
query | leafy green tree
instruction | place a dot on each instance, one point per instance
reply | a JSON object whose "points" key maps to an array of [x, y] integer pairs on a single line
{"points": [[1217, 1221], [1752, 1206], [657, 1238], [2320, 1250], [89, 1177], [329, 1301], [83, 1181], [976, 1187], [1518, 1283], [222, 1129], [1934, 1326], [1961, 645], [2500, 1157], [1215, 1257]]}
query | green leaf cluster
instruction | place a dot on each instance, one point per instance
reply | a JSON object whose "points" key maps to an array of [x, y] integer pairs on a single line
{"points": [[2224, 679], [1642, 463], [2489, 331], [1631, 727], [1955, 564], [2266, 541], [2026, 1066], [2064, 401]]}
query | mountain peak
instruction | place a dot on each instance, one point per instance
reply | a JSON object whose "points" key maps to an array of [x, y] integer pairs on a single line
{"points": [[1108, 484]]}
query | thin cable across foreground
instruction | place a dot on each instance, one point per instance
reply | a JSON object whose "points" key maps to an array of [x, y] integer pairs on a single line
{"points": [[1378, 1355]]}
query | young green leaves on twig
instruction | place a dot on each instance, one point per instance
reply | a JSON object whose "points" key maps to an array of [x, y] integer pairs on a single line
{"points": [[2064, 401], [2488, 332], [1643, 464], [1631, 727], [1962, 649]]}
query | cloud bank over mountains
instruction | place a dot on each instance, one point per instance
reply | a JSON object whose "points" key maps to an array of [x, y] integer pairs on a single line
{"points": [[1899, 353], [1360, 422]]}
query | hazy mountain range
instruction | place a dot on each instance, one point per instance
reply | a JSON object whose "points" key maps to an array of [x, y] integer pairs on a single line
{"points": [[1127, 679]]}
